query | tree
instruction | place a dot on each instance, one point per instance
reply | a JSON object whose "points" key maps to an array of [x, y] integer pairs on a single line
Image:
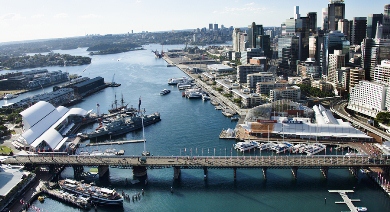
{"points": [[383, 117]]}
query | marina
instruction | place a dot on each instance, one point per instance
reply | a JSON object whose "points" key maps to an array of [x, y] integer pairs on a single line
{"points": [[114, 142], [179, 125]]}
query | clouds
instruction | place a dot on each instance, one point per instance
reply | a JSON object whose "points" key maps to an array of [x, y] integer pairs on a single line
{"points": [[11, 17], [246, 8], [90, 16], [61, 15]]}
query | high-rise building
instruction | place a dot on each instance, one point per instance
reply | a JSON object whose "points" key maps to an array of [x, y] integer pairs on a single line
{"points": [[336, 61], [210, 26], [382, 72], [386, 22], [325, 21], [356, 75], [358, 30], [373, 52], [216, 27], [343, 27], [335, 40], [236, 39], [253, 32], [372, 21], [336, 11], [312, 22], [368, 98], [296, 13]]}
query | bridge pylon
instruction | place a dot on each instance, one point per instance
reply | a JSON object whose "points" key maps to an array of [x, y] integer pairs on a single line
{"points": [[176, 172], [354, 171], [77, 171], [324, 171], [104, 171], [139, 171], [235, 173], [264, 169], [205, 172], [294, 171]]}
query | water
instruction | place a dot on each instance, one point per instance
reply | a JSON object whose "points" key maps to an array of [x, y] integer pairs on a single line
{"points": [[194, 125]]}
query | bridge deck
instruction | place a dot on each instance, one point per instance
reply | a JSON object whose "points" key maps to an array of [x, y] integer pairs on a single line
{"points": [[199, 161]]}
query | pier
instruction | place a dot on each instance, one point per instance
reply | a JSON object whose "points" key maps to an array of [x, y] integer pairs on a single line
{"points": [[346, 199], [114, 142]]}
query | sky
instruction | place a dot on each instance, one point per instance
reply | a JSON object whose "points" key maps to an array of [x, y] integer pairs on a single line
{"points": [[40, 19]]}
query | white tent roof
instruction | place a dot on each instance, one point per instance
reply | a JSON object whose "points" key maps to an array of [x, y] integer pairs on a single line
{"points": [[37, 112], [45, 123]]}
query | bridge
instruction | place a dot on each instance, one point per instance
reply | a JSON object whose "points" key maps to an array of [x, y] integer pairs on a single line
{"points": [[140, 164]]}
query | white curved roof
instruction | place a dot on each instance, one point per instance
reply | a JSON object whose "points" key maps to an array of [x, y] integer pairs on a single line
{"points": [[52, 137], [37, 112], [77, 111]]}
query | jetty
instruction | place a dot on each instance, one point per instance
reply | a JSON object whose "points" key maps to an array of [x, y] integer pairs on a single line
{"points": [[82, 203], [346, 199], [115, 142]]}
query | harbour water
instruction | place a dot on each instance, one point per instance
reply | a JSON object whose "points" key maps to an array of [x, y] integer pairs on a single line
{"points": [[192, 127]]}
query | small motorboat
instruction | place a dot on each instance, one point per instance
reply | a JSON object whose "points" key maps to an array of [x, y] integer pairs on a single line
{"points": [[41, 198], [361, 208], [165, 91]]}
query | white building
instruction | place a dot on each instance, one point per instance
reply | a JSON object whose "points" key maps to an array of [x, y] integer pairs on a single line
{"points": [[368, 98], [45, 127], [382, 72]]}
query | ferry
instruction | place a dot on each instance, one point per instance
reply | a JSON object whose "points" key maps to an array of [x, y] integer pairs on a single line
{"points": [[361, 208], [98, 195], [175, 81]]}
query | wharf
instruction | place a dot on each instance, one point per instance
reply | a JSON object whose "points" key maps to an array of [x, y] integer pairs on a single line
{"points": [[346, 199], [114, 142]]}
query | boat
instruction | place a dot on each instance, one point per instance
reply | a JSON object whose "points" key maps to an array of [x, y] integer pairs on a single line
{"points": [[9, 96], [98, 195], [234, 118], [41, 198], [175, 81], [115, 108], [165, 91], [123, 124], [205, 97], [315, 148], [265, 146], [361, 208]]}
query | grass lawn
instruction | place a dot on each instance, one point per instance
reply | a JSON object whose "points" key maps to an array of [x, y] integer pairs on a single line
{"points": [[4, 150]]}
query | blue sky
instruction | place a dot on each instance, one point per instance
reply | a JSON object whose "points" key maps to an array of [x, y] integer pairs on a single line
{"points": [[37, 19]]}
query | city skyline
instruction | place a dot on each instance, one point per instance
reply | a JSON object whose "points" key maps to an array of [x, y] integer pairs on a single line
{"points": [[29, 20]]}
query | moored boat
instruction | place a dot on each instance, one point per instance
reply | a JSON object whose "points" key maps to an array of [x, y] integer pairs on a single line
{"points": [[98, 195]]}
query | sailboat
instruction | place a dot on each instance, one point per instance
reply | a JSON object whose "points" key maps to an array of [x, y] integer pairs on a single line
{"points": [[116, 108], [144, 153]]}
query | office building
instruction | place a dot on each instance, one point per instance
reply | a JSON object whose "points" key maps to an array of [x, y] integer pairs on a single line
{"points": [[382, 72], [253, 79], [210, 27], [372, 22], [343, 27], [244, 70], [325, 22], [336, 61], [358, 30], [356, 75], [373, 52], [336, 11], [386, 22]]}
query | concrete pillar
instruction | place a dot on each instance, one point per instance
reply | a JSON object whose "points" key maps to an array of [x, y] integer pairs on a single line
{"points": [[205, 171], [103, 171], [235, 173], [77, 170], [52, 168], [139, 171], [324, 171], [294, 171], [354, 171], [176, 172], [264, 172]]}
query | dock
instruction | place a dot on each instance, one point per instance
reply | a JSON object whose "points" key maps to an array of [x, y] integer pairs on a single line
{"points": [[115, 142], [346, 199]]}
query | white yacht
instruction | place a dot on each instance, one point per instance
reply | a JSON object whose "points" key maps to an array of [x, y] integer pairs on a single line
{"points": [[175, 81]]}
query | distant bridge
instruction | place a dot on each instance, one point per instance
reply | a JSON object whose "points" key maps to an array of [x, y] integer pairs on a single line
{"points": [[140, 164]]}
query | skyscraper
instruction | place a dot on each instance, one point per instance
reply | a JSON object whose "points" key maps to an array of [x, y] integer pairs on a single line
{"points": [[358, 30], [325, 21], [372, 21], [343, 27], [336, 11], [386, 22], [215, 27], [210, 26]]}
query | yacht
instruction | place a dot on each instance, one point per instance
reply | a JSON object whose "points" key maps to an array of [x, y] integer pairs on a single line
{"points": [[265, 146], [175, 81], [205, 97], [315, 148], [361, 208]]}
